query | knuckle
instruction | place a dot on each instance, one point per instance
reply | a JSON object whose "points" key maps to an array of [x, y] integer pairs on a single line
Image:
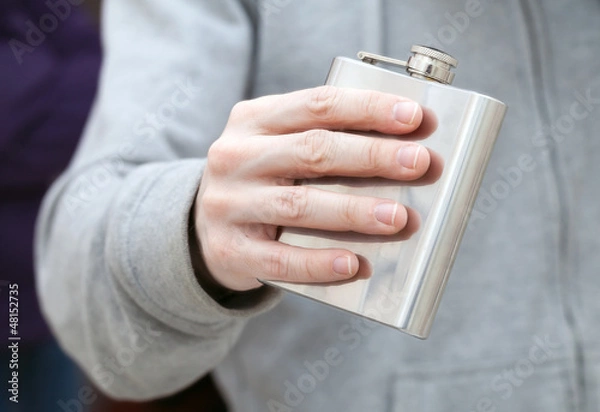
{"points": [[316, 150], [370, 105], [241, 111], [322, 102], [216, 156], [373, 155], [278, 264], [310, 271], [224, 157], [215, 204], [292, 203], [350, 211]]}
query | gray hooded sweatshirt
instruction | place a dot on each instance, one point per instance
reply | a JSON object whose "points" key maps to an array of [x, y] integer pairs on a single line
{"points": [[519, 325]]}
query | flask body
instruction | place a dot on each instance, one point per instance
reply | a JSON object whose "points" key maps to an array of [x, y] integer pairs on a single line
{"points": [[409, 276]]}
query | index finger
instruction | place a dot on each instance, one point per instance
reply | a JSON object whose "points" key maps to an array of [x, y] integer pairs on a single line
{"points": [[331, 108]]}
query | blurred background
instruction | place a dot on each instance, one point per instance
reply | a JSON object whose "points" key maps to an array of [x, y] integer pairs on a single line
{"points": [[50, 57]]}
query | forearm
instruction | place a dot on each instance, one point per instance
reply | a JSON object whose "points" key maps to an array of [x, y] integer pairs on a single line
{"points": [[113, 249], [122, 280]]}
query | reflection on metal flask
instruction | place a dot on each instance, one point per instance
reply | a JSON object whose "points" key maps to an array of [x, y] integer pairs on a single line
{"points": [[409, 275]]}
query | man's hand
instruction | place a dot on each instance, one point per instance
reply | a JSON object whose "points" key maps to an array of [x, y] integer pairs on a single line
{"points": [[248, 191]]}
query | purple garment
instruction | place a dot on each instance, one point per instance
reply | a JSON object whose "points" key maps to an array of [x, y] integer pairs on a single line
{"points": [[44, 103]]}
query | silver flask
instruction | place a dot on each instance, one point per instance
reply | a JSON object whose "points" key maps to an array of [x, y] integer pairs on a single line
{"points": [[409, 275]]}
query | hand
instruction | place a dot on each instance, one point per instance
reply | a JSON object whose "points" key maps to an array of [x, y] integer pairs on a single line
{"points": [[248, 191]]}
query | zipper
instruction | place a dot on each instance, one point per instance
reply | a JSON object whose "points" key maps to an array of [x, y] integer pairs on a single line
{"points": [[532, 12]]}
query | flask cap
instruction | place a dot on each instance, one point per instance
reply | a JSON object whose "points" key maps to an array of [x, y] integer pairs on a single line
{"points": [[426, 63]]}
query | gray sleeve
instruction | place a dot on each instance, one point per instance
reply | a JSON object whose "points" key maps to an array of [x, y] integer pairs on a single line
{"points": [[114, 272]]}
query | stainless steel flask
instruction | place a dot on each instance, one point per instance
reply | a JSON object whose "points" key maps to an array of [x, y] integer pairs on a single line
{"points": [[409, 276]]}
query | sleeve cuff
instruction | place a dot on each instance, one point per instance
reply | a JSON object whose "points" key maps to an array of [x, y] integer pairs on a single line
{"points": [[154, 252]]}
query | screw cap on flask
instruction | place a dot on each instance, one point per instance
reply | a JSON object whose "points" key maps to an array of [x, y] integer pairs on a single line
{"points": [[434, 54], [425, 63], [431, 64]]}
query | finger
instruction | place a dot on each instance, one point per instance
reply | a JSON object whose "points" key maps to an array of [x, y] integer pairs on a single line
{"points": [[429, 124], [329, 108], [273, 260], [308, 207], [365, 271], [436, 168], [412, 226], [318, 153]]}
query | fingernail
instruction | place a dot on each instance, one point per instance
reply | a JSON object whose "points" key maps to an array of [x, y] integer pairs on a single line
{"points": [[342, 265], [408, 156], [405, 112], [386, 213]]}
